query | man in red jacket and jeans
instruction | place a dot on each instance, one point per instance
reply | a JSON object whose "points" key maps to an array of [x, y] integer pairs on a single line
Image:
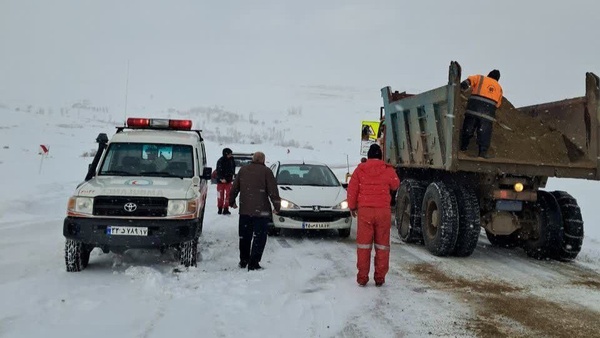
{"points": [[369, 197]]}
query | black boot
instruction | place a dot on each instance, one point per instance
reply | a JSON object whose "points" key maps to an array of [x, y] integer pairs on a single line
{"points": [[485, 155], [220, 211], [254, 266], [243, 264], [226, 211]]}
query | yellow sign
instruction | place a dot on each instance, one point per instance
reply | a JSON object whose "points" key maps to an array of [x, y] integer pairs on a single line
{"points": [[369, 130]]}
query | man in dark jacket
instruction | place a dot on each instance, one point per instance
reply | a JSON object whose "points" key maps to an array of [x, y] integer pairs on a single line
{"points": [[256, 185], [369, 199], [486, 97], [225, 173]]}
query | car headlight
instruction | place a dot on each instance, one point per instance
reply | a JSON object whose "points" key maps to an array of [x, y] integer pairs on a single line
{"points": [[285, 204], [181, 207], [343, 205], [82, 205]]}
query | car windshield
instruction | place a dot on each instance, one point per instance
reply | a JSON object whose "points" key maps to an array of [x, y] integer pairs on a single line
{"points": [[241, 161], [306, 174], [148, 159]]}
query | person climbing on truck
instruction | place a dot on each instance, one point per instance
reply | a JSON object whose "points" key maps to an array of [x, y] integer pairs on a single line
{"points": [[485, 98]]}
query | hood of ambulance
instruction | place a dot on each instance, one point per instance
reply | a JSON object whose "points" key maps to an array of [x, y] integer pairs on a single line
{"points": [[168, 187]]}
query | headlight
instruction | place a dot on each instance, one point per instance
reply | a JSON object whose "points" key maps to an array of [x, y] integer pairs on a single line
{"points": [[181, 207], [285, 204], [342, 206], [82, 205]]}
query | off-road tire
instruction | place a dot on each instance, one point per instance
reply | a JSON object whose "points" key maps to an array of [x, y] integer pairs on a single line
{"points": [[344, 233], [188, 253], [408, 211], [439, 219], [503, 241], [200, 223], [77, 255], [469, 221], [550, 228], [572, 222]]}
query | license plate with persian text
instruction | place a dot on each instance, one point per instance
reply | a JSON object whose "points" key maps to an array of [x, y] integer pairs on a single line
{"points": [[127, 231]]}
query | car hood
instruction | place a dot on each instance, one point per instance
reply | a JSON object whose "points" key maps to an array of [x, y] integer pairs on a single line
{"points": [[302, 195], [169, 187]]}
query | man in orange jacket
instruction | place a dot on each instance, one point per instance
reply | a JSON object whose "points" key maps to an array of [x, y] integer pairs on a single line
{"points": [[369, 197], [486, 96]]}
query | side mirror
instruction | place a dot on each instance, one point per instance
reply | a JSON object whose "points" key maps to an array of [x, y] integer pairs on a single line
{"points": [[345, 185], [206, 172]]}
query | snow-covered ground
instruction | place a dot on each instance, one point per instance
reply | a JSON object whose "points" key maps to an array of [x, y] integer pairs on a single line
{"points": [[307, 288]]}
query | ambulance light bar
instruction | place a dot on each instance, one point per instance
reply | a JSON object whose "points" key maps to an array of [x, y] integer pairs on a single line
{"points": [[144, 123]]}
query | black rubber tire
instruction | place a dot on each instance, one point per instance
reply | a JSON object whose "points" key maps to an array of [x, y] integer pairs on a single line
{"points": [[469, 221], [273, 231], [550, 228], [188, 253], [408, 211], [439, 219], [503, 241], [77, 255], [344, 233], [200, 223], [572, 222]]}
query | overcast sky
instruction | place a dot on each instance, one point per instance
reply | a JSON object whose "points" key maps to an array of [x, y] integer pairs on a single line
{"points": [[247, 53]]}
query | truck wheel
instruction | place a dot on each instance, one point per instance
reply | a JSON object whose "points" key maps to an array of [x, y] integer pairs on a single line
{"points": [[469, 221], [440, 219], [344, 233], [549, 228], [504, 241], [77, 255], [408, 211], [188, 252], [572, 239]]}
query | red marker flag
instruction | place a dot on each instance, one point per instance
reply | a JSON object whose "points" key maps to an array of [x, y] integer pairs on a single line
{"points": [[44, 149]]}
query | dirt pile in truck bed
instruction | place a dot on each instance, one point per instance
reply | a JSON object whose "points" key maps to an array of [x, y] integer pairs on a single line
{"points": [[528, 139]]}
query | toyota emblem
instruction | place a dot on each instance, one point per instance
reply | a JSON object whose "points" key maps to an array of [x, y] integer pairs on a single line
{"points": [[130, 207]]}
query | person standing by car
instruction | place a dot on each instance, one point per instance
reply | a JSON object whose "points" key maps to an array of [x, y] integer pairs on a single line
{"points": [[369, 198], [256, 185], [225, 172]]}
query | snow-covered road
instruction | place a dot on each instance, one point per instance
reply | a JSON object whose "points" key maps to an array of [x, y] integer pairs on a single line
{"points": [[307, 289]]}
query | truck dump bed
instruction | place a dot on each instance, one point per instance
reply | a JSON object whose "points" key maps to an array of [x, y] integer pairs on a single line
{"points": [[554, 139]]}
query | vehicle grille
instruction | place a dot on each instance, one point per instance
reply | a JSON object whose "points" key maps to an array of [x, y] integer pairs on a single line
{"points": [[144, 206]]}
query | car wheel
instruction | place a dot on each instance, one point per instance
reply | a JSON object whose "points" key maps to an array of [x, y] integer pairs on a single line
{"points": [[344, 233], [77, 255]]}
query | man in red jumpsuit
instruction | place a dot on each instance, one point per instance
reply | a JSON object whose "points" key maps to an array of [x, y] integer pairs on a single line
{"points": [[369, 197]]}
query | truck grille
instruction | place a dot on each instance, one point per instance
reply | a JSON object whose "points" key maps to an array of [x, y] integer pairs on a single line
{"points": [[132, 206]]}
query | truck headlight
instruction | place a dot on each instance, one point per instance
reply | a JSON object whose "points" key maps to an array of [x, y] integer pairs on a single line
{"points": [[181, 207], [285, 204], [343, 205], [82, 205]]}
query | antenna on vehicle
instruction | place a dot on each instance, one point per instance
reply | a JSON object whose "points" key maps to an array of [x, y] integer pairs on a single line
{"points": [[348, 168], [126, 91]]}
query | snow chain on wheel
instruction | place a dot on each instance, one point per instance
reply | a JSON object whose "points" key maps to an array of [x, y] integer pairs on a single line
{"points": [[77, 255], [440, 219], [469, 225], [408, 210], [550, 228], [188, 252], [572, 222]]}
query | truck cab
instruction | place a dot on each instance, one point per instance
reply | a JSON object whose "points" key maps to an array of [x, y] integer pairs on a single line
{"points": [[145, 188]]}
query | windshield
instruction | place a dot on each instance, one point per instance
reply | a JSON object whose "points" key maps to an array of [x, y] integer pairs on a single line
{"points": [[306, 174], [148, 159], [241, 161]]}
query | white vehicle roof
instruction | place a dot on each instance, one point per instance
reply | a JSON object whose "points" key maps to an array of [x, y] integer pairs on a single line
{"points": [[157, 136]]}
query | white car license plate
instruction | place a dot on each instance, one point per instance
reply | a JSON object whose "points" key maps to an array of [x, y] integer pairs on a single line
{"points": [[308, 225], [127, 231]]}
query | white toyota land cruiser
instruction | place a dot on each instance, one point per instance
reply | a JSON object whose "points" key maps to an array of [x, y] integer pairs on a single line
{"points": [[146, 188]]}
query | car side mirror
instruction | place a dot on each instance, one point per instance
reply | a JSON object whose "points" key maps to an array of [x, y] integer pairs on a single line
{"points": [[345, 185], [206, 172]]}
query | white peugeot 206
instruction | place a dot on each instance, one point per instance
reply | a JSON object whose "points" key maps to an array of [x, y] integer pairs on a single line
{"points": [[311, 198]]}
